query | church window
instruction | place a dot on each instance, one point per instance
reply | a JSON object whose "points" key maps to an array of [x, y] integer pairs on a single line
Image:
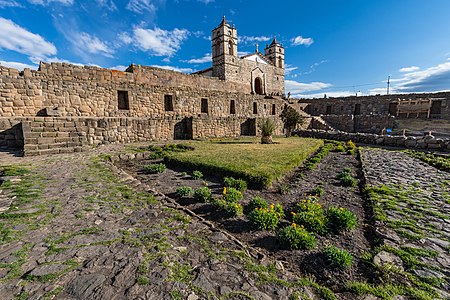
{"points": [[255, 108], [204, 106], [123, 101], [280, 62], [168, 103], [273, 110], [230, 48], [328, 112], [232, 107]]}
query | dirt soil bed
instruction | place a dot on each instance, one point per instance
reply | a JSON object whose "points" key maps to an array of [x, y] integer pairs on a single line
{"points": [[288, 192]]}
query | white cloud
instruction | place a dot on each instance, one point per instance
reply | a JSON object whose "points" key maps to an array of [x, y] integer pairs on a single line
{"points": [[92, 44], [119, 67], [299, 40], [37, 60], [141, 6], [48, 2], [206, 58], [125, 38], [288, 69], [243, 53], [177, 69], [13, 37], [9, 3], [253, 39], [328, 94], [17, 65], [299, 88], [206, 1], [158, 41], [409, 69], [109, 4], [433, 79]]}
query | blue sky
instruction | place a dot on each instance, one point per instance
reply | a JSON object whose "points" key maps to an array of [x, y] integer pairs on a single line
{"points": [[333, 47]]}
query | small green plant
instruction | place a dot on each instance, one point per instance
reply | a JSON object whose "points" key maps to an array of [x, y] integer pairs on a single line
{"points": [[197, 174], [202, 194], [238, 184], [340, 219], [340, 148], [296, 237], [155, 168], [231, 195], [310, 215], [257, 202], [266, 218], [338, 257], [318, 191], [321, 154], [184, 191], [346, 178], [233, 208]]}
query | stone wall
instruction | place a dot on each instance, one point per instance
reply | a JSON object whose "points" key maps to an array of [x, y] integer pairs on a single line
{"points": [[10, 133], [52, 135], [72, 90], [366, 123], [425, 142], [371, 105]]}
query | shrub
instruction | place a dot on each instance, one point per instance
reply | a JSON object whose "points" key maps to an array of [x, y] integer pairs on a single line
{"points": [[311, 216], [290, 118], [238, 184], [184, 191], [350, 147], [257, 202], [155, 168], [267, 127], [266, 218], [318, 191], [296, 237], [202, 194], [279, 209], [346, 178], [340, 219], [340, 148], [233, 208], [338, 257], [231, 195], [197, 174]]}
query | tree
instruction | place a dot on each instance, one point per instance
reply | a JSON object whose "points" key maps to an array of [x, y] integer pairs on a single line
{"points": [[290, 118]]}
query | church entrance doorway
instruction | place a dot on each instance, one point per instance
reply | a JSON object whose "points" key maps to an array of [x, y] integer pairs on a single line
{"points": [[259, 86]]}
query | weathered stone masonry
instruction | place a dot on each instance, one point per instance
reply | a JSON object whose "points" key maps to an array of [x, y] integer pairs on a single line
{"points": [[89, 97]]}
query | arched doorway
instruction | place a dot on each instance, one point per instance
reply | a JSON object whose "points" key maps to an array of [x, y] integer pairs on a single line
{"points": [[258, 86]]}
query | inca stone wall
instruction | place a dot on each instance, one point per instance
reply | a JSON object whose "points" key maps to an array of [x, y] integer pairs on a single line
{"points": [[358, 123], [373, 105], [89, 91]]}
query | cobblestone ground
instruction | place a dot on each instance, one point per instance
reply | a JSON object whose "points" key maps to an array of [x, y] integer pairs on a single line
{"points": [[75, 227], [412, 209]]}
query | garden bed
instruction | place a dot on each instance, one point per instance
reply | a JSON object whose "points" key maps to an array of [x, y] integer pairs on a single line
{"points": [[316, 176]]}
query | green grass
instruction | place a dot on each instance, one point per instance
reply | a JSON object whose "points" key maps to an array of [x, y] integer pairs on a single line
{"points": [[247, 159], [439, 162]]}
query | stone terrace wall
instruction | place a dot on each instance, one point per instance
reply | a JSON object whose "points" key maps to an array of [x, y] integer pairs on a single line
{"points": [[93, 92], [49, 135], [425, 142]]}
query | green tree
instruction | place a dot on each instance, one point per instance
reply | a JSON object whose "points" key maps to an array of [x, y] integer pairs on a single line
{"points": [[290, 118]]}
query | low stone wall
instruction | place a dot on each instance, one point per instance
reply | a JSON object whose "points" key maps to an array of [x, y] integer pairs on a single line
{"points": [[360, 123], [52, 135], [11, 134], [425, 142]]}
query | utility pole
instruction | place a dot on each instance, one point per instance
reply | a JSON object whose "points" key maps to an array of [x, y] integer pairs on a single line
{"points": [[388, 83]]}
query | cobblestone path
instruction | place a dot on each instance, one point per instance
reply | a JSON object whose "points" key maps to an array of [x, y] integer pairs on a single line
{"points": [[78, 228], [412, 209]]}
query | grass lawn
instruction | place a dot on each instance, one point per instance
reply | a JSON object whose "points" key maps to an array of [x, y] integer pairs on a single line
{"points": [[246, 158]]}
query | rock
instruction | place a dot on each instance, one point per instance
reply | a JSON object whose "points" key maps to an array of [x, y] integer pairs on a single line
{"points": [[84, 286], [383, 258], [50, 269]]}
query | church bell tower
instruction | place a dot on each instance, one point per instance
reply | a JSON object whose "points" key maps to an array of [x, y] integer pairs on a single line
{"points": [[224, 52]]}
